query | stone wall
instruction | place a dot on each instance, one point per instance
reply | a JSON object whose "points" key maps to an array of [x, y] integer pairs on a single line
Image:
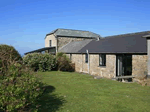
{"points": [[139, 64], [77, 59], [108, 71], [84, 65], [61, 41], [64, 40], [50, 37]]}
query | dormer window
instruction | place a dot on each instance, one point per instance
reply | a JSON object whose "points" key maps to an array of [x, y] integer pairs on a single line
{"points": [[50, 43]]}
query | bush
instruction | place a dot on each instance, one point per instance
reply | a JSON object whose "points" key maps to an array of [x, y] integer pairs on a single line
{"points": [[63, 62], [41, 62], [143, 79], [19, 88], [7, 55]]}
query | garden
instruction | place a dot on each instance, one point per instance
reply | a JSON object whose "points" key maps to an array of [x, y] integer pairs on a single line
{"points": [[43, 82]]}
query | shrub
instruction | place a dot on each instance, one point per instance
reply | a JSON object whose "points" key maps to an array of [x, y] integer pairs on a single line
{"points": [[19, 88], [142, 79], [63, 62], [7, 55], [41, 62]]}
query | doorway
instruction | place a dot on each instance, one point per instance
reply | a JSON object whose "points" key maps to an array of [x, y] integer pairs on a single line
{"points": [[123, 65]]}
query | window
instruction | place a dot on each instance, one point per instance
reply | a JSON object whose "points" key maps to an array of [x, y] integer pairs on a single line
{"points": [[70, 56], [86, 58], [102, 60], [50, 43]]}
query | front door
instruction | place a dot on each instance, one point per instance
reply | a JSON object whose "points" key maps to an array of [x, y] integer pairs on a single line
{"points": [[123, 65]]}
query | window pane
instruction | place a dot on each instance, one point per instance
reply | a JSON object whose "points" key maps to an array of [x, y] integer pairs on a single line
{"points": [[86, 58], [102, 59], [70, 56], [50, 43]]}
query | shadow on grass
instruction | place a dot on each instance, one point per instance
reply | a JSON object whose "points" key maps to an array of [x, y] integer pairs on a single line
{"points": [[48, 102]]}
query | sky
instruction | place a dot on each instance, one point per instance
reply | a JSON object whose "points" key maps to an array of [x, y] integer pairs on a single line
{"points": [[25, 23]]}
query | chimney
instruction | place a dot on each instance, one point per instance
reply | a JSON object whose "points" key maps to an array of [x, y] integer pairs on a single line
{"points": [[148, 54]]}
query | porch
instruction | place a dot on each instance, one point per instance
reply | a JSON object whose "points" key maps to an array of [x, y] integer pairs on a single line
{"points": [[51, 50]]}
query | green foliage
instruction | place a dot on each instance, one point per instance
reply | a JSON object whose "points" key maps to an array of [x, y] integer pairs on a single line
{"points": [[8, 54], [40, 62], [19, 88], [63, 62]]}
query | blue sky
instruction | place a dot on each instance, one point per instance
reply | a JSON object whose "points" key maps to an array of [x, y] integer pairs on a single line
{"points": [[24, 23]]}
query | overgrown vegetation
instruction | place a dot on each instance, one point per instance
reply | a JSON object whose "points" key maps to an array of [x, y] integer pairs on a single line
{"points": [[40, 62], [8, 54], [47, 62], [142, 79], [63, 62], [19, 87]]}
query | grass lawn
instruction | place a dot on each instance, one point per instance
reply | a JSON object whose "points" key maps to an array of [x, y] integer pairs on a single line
{"points": [[74, 92]]}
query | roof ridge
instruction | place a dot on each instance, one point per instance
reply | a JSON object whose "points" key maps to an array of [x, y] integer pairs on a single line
{"points": [[127, 34], [81, 30], [52, 32], [73, 29]]}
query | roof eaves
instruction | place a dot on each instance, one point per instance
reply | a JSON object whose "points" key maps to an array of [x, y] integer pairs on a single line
{"points": [[115, 52], [146, 36], [128, 34], [74, 36], [41, 49], [107, 53], [51, 33]]}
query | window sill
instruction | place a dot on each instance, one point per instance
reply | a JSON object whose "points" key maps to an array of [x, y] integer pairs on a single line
{"points": [[102, 66]]}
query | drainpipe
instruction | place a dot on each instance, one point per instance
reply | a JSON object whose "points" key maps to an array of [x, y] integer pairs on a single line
{"points": [[88, 61], [148, 53]]}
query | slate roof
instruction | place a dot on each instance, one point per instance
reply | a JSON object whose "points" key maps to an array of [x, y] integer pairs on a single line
{"points": [[73, 33], [74, 47], [126, 43], [51, 49]]}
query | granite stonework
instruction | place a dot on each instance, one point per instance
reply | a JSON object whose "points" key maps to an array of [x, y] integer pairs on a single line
{"points": [[61, 41], [139, 65], [148, 52], [77, 59], [52, 38], [107, 71]]}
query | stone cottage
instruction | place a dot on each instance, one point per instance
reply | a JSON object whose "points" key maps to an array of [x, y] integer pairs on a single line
{"points": [[110, 57], [58, 38]]}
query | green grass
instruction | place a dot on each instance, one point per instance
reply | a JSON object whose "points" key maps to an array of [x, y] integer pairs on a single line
{"points": [[74, 92]]}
